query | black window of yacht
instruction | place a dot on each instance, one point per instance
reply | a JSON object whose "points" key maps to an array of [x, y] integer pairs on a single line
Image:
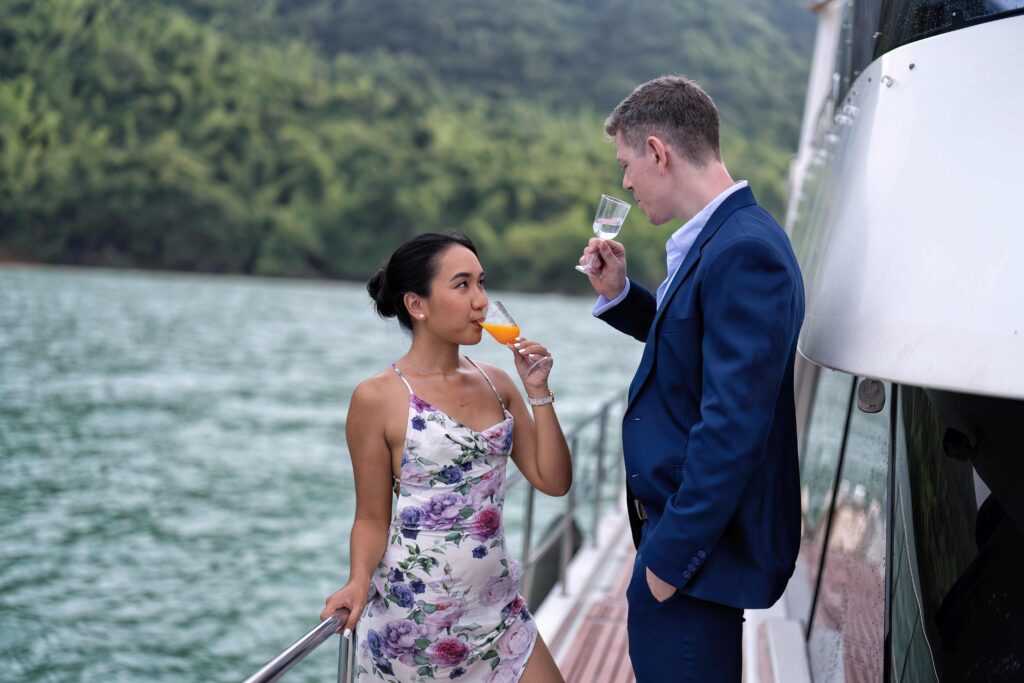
{"points": [[819, 461], [865, 35], [858, 35], [904, 21], [844, 53], [957, 599], [847, 634]]}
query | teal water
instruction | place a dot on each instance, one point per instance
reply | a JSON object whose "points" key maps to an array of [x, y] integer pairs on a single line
{"points": [[175, 494]]}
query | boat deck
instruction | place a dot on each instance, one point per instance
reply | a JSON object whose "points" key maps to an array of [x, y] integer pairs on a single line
{"points": [[598, 652], [585, 627]]}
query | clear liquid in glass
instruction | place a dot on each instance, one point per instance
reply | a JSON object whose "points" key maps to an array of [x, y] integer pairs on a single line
{"points": [[607, 228]]}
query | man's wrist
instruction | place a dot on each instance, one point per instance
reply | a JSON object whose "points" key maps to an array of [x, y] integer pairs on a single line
{"points": [[605, 304], [613, 295]]}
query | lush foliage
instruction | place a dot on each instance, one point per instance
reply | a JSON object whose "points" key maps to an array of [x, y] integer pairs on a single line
{"points": [[309, 137]]}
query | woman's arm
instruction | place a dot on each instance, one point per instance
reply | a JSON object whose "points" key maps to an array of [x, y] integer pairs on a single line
{"points": [[371, 467], [539, 448]]}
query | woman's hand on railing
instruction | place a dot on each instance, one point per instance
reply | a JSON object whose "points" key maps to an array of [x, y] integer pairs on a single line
{"points": [[351, 597]]}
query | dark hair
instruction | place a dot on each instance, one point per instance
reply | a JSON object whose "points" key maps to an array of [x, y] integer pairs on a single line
{"points": [[676, 110], [410, 269]]}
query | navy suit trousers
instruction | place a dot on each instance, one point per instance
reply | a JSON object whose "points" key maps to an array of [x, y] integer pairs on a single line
{"points": [[683, 639]]}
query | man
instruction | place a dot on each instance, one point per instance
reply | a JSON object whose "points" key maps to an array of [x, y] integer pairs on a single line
{"points": [[709, 433]]}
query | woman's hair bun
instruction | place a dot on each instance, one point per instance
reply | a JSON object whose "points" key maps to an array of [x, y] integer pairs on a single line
{"points": [[377, 286]]}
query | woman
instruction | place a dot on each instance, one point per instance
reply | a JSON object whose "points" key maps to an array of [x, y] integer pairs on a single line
{"points": [[439, 589]]}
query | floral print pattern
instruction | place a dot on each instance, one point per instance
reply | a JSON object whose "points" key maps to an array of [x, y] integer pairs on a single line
{"points": [[444, 603]]}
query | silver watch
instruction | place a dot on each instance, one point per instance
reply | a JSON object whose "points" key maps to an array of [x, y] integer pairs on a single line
{"points": [[550, 398]]}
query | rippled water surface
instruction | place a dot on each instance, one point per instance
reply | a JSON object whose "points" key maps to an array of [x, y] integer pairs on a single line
{"points": [[175, 494]]}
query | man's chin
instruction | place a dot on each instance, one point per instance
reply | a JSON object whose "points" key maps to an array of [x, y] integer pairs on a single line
{"points": [[653, 220]]}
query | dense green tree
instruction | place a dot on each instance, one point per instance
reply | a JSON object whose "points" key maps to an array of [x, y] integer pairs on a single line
{"points": [[309, 137]]}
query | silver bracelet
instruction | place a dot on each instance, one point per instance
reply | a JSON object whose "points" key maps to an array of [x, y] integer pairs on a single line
{"points": [[550, 398]]}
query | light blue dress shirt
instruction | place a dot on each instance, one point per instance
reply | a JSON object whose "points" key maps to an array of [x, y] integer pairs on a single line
{"points": [[675, 248]]}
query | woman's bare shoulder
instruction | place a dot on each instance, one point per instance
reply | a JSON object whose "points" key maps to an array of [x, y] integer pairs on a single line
{"points": [[377, 392]]}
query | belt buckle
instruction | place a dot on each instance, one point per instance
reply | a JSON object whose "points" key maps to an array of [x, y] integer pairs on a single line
{"points": [[639, 507]]}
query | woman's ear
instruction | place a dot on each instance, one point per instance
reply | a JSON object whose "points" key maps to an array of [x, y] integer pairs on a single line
{"points": [[415, 305]]}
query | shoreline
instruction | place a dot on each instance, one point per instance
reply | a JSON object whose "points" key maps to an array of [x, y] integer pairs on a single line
{"points": [[9, 262]]}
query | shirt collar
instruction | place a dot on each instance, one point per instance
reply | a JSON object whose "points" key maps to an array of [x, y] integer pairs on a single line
{"points": [[682, 239]]}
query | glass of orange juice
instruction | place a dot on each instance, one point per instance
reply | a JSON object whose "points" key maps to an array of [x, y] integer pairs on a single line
{"points": [[503, 328], [499, 323]]}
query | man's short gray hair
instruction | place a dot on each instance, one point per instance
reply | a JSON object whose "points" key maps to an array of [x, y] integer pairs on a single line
{"points": [[674, 109]]}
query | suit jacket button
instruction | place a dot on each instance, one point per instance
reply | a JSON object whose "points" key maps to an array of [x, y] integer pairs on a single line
{"points": [[700, 554], [692, 567], [687, 575]]}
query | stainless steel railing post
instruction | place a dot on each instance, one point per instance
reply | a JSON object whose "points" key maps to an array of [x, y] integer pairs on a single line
{"points": [[599, 486], [527, 537], [343, 663], [567, 526], [347, 659]]}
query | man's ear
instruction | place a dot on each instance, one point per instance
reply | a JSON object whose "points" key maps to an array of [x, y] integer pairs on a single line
{"points": [[659, 149]]}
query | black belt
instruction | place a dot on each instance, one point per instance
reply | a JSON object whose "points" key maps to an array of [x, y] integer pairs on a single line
{"points": [[639, 507]]}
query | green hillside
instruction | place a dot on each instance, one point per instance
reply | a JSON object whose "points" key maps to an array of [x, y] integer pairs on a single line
{"points": [[309, 137]]}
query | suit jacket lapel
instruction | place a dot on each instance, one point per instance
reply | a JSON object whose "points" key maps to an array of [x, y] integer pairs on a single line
{"points": [[737, 200]]}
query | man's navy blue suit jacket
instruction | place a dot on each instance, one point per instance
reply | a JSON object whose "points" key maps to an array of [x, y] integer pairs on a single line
{"points": [[709, 433]]}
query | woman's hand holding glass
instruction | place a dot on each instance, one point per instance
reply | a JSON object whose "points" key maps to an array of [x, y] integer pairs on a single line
{"points": [[532, 360]]}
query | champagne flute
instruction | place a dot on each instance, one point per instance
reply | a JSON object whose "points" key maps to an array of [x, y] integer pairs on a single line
{"points": [[499, 323], [611, 213]]}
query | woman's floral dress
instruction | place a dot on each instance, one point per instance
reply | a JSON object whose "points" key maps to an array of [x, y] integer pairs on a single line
{"points": [[444, 602]]}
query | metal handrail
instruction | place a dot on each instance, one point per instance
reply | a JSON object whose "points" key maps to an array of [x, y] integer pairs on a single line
{"points": [[562, 527], [563, 531], [561, 534], [279, 665]]}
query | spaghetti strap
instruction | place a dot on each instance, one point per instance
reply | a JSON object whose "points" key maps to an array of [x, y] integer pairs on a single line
{"points": [[489, 382], [404, 380]]}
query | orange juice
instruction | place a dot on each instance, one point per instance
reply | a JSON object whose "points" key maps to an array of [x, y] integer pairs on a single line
{"points": [[506, 334]]}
